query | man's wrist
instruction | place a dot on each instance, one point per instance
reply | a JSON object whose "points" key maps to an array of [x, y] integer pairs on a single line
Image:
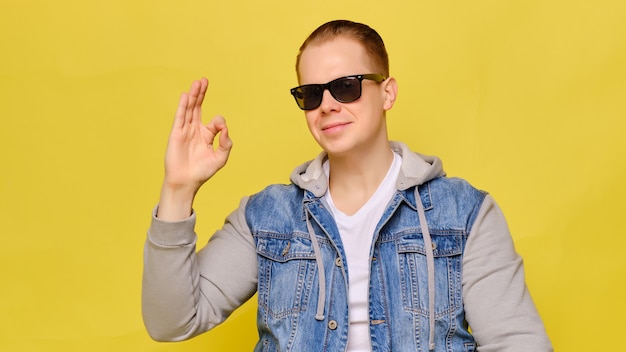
{"points": [[175, 204]]}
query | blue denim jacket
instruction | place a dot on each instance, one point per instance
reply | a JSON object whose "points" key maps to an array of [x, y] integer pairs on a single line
{"points": [[298, 307]]}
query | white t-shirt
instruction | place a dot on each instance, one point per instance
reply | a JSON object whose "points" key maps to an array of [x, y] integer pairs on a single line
{"points": [[356, 233]]}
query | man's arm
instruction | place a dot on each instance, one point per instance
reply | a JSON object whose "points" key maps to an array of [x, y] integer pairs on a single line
{"points": [[185, 293], [498, 306]]}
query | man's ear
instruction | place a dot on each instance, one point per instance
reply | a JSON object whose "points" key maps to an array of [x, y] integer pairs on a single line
{"points": [[390, 86]]}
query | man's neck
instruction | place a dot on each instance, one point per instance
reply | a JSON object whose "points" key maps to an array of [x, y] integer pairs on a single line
{"points": [[354, 179]]}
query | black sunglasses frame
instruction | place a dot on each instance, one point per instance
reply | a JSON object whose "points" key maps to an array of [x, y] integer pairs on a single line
{"points": [[378, 78]]}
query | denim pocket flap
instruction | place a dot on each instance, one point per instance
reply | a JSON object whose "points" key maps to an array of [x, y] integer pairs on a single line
{"points": [[283, 249], [446, 244]]}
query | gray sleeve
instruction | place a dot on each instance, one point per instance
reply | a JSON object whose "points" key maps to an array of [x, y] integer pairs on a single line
{"points": [[498, 306], [186, 293]]}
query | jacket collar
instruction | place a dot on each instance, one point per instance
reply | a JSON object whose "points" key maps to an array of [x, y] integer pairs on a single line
{"points": [[416, 169]]}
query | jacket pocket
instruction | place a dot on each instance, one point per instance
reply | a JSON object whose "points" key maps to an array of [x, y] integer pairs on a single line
{"points": [[286, 273], [447, 251]]}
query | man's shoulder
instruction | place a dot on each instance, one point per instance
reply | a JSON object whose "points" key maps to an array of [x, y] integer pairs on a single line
{"points": [[455, 187], [276, 196]]}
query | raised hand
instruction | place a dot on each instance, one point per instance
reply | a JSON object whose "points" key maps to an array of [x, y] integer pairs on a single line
{"points": [[192, 156]]}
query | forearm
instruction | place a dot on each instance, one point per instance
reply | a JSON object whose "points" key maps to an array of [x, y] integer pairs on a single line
{"points": [[184, 293], [498, 306], [170, 277]]}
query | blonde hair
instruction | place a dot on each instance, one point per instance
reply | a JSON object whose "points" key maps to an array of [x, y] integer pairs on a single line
{"points": [[362, 33]]}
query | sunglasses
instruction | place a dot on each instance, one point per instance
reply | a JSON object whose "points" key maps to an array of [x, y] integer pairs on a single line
{"points": [[344, 90]]}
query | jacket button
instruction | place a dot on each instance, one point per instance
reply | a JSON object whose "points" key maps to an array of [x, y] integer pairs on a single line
{"points": [[332, 325], [338, 262]]}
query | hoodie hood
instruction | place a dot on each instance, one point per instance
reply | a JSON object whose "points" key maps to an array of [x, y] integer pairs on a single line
{"points": [[416, 170]]}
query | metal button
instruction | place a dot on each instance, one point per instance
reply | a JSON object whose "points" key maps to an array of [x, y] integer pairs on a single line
{"points": [[338, 262], [332, 325]]}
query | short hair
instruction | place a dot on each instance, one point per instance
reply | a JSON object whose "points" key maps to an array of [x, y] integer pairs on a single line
{"points": [[362, 33]]}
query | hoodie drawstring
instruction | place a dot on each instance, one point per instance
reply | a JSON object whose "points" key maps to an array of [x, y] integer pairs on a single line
{"points": [[321, 297], [430, 263]]}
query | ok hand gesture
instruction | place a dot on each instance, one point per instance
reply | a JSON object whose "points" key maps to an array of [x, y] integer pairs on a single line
{"points": [[192, 156]]}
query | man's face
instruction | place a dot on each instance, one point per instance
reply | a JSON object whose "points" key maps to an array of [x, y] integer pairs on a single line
{"points": [[342, 128]]}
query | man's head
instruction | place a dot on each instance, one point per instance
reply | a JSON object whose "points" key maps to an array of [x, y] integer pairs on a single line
{"points": [[361, 33], [346, 90]]}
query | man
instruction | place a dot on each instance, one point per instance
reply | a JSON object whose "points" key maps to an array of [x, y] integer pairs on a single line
{"points": [[371, 248]]}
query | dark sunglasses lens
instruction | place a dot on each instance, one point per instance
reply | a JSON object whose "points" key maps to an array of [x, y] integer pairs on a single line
{"points": [[346, 90], [308, 97]]}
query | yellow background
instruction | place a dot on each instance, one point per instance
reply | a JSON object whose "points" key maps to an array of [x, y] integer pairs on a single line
{"points": [[523, 98]]}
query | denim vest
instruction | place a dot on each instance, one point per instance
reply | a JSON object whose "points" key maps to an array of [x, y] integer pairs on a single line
{"points": [[288, 282]]}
